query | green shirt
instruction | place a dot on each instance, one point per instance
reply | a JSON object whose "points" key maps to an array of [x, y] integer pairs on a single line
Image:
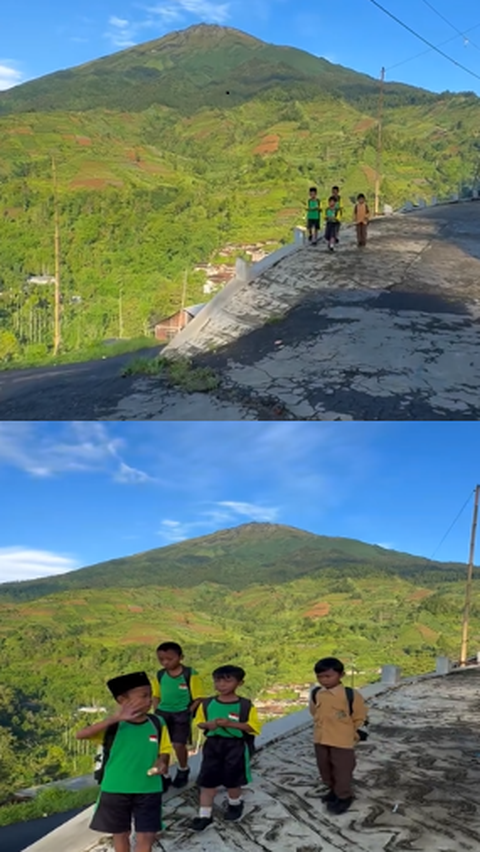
{"points": [[313, 208], [221, 710], [134, 751], [174, 693]]}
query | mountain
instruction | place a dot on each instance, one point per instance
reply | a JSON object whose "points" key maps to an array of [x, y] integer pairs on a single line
{"points": [[186, 151], [202, 66], [246, 555], [268, 597]]}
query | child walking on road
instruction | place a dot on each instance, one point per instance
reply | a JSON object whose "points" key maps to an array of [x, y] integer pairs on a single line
{"points": [[331, 223], [361, 215], [313, 216], [338, 716], [339, 209]]}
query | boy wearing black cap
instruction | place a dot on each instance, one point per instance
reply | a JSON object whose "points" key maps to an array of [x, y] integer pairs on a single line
{"points": [[139, 749]]}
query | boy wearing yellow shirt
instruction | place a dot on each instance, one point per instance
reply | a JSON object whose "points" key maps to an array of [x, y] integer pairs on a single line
{"points": [[336, 732]]}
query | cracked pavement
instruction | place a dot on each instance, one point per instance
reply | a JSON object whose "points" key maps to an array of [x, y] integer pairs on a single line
{"points": [[390, 332], [417, 784]]}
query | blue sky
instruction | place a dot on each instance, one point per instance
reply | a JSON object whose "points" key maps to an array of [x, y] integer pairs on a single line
{"points": [[80, 493], [39, 38]]}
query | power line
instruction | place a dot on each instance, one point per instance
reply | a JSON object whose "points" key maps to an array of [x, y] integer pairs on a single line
{"points": [[453, 524], [425, 41], [424, 52], [452, 26]]}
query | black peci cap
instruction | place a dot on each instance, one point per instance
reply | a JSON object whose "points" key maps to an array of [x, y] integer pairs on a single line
{"points": [[124, 683]]}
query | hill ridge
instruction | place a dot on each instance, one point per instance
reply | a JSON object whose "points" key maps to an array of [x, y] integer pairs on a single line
{"points": [[254, 553]]}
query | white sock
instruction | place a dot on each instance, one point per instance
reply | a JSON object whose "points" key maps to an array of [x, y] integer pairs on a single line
{"points": [[234, 802], [205, 812], [182, 768]]}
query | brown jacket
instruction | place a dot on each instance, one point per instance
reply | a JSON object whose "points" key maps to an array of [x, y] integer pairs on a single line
{"points": [[361, 213], [333, 724]]}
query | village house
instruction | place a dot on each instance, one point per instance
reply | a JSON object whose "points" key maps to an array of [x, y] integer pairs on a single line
{"points": [[170, 326]]}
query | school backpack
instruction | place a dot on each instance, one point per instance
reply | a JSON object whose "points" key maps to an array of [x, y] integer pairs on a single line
{"points": [[245, 707], [187, 673], [363, 735], [103, 754]]}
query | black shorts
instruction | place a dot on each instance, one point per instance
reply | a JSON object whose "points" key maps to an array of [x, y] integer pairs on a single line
{"points": [[224, 763], [114, 813], [179, 726], [313, 224], [331, 230]]}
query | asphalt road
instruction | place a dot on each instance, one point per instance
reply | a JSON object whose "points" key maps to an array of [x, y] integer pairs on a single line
{"points": [[16, 838], [85, 391]]}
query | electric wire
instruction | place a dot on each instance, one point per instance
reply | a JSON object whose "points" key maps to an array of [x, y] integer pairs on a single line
{"points": [[453, 524], [425, 41], [452, 26], [424, 52]]}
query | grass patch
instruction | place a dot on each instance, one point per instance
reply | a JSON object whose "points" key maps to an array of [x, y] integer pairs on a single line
{"points": [[53, 800], [179, 373], [94, 352], [273, 320]]}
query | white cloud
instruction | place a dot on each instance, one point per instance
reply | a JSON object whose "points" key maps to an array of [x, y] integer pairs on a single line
{"points": [[229, 513], [121, 32], [162, 16], [9, 75], [22, 563], [75, 448], [263, 514], [208, 10]]}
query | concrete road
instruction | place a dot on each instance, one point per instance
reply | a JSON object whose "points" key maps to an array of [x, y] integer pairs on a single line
{"points": [[390, 332]]}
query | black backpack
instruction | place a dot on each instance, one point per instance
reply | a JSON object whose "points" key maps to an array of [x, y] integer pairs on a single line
{"points": [[245, 707], [187, 673], [363, 735], [110, 734]]}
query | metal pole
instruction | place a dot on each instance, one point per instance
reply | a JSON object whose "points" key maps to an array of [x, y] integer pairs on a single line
{"points": [[378, 168], [468, 588]]}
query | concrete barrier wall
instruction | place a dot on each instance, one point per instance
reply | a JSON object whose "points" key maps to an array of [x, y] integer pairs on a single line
{"points": [[244, 273]]}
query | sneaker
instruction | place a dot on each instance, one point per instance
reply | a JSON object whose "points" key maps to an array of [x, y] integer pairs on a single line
{"points": [[329, 797], [200, 823], [340, 806], [233, 812], [181, 778]]}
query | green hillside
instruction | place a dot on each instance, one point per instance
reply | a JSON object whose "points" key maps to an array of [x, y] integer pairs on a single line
{"points": [[201, 66], [169, 152], [249, 554], [279, 599]]}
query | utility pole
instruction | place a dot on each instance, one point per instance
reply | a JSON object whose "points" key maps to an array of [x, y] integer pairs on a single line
{"points": [[468, 588], [120, 312], [379, 144], [184, 296], [56, 335]]}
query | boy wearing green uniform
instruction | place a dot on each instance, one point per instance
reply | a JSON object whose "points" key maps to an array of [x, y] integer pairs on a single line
{"points": [[313, 216], [177, 691], [229, 723], [137, 758]]}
